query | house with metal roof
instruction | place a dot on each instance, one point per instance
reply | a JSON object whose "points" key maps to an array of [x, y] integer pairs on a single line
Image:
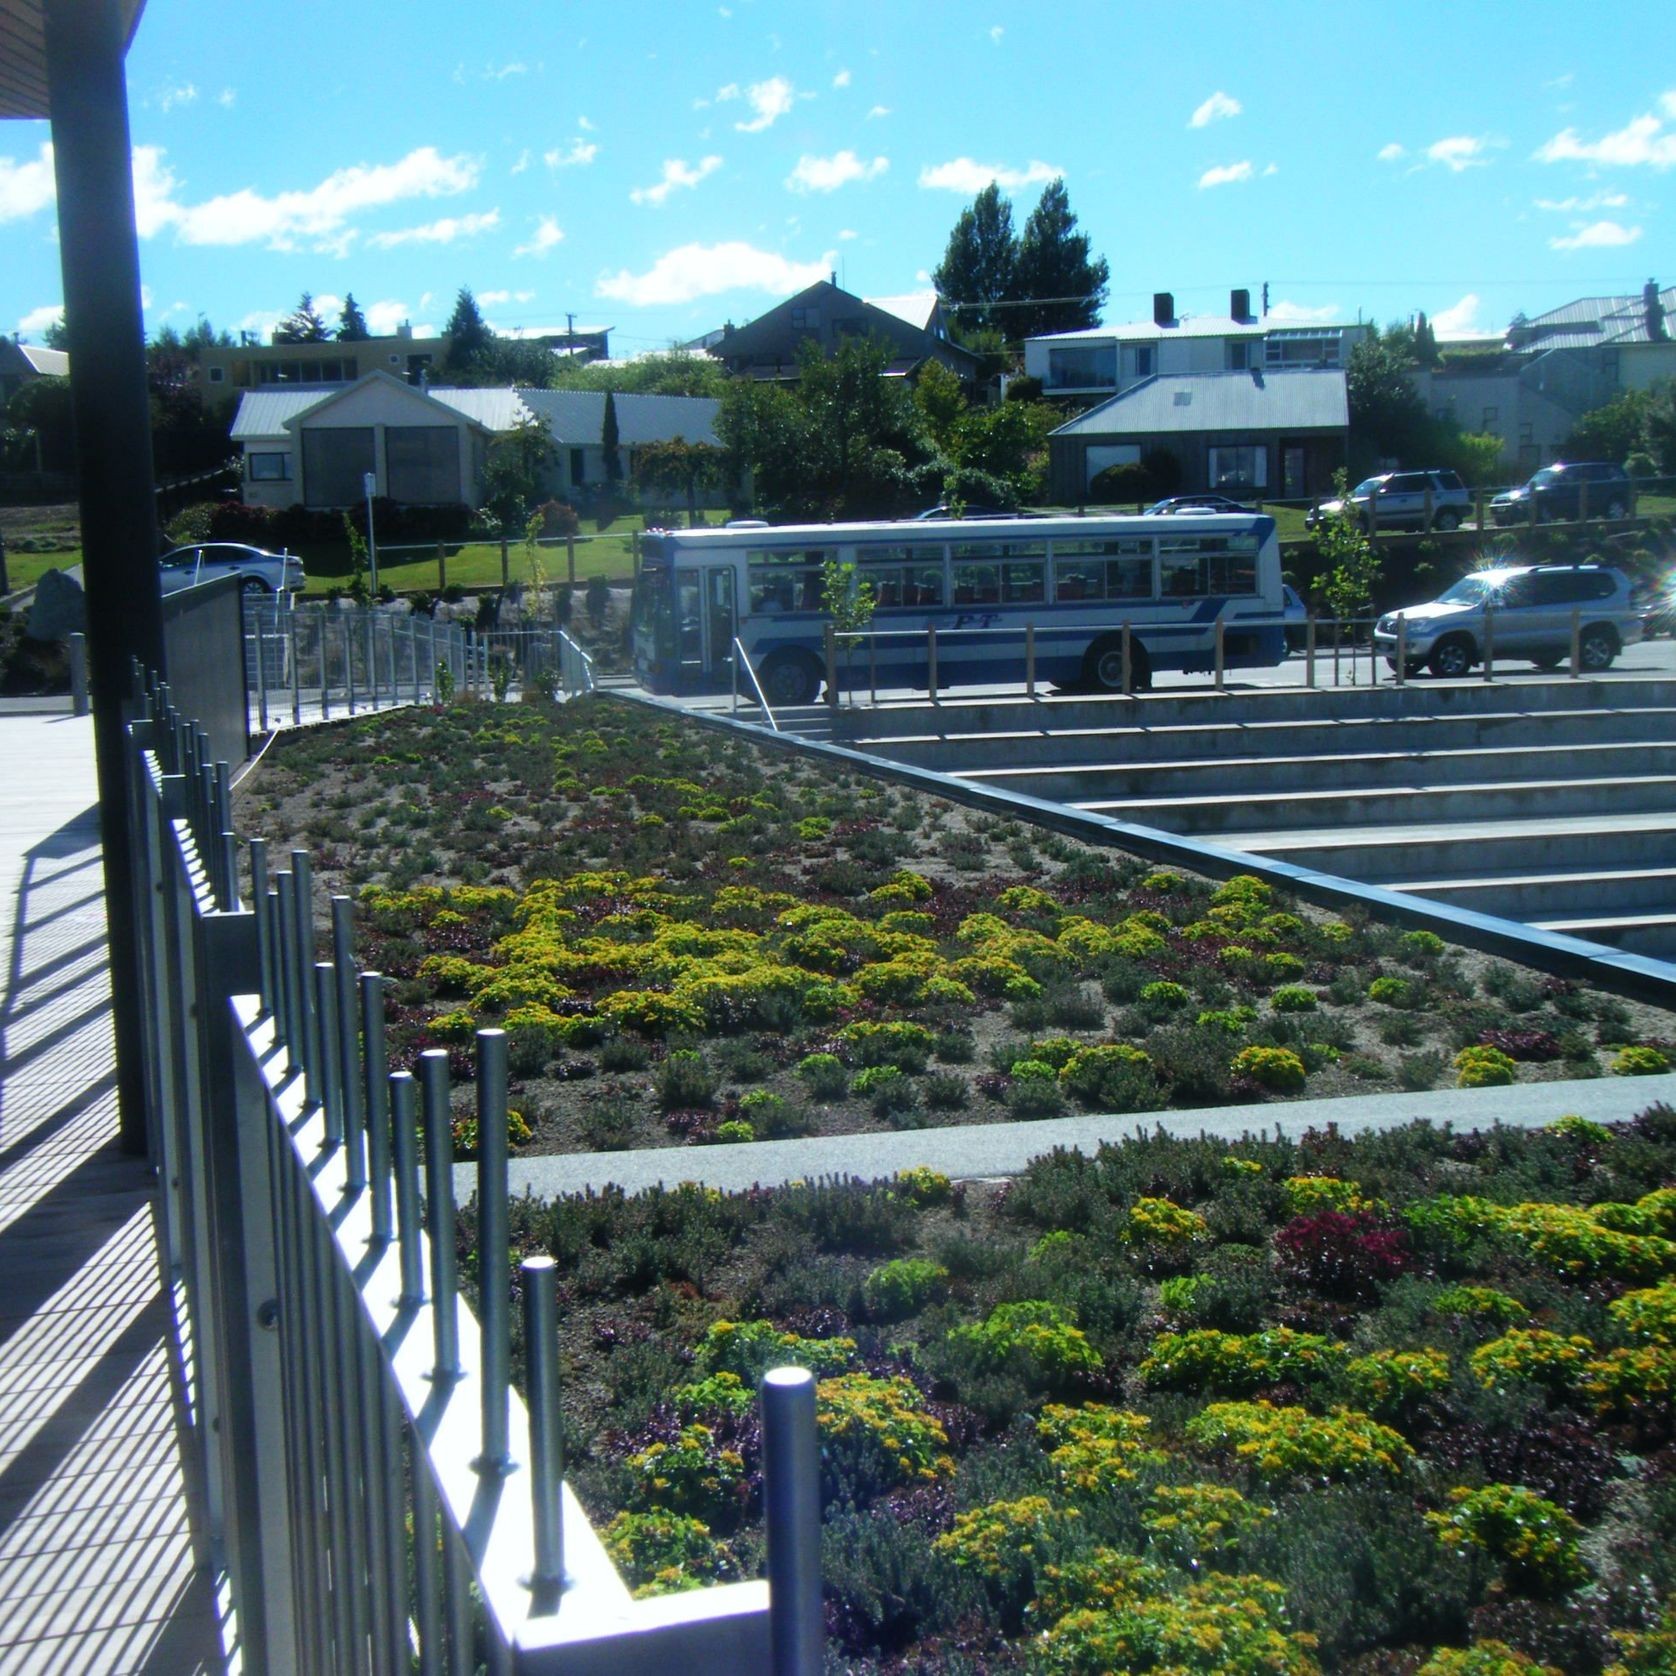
{"points": [[1242, 433], [428, 446], [23, 363], [1553, 369], [1106, 360]]}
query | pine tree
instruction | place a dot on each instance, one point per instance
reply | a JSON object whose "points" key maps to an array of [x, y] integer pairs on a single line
{"points": [[303, 324], [980, 266], [1063, 289], [352, 324], [467, 331]]}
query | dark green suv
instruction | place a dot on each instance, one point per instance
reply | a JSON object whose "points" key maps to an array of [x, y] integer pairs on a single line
{"points": [[1587, 489]]}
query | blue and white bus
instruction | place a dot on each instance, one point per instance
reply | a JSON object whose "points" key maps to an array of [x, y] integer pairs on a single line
{"points": [[1076, 583]]}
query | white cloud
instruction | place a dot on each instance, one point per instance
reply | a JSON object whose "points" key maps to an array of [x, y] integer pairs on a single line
{"points": [[522, 163], [996, 33], [842, 79], [1460, 320], [170, 97], [964, 176], [877, 111], [578, 154], [1300, 314], [154, 191], [1459, 152], [1582, 206], [676, 174], [723, 94], [1391, 153], [26, 187], [547, 234], [845, 234], [507, 70], [226, 98], [319, 212], [493, 299], [1225, 174], [1641, 140], [1217, 108], [446, 231], [39, 319], [1596, 236], [827, 174], [770, 100], [1270, 169], [584, 124], [704, 270]]}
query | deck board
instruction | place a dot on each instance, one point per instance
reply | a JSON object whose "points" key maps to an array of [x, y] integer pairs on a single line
{"points": [[97, 1567]]}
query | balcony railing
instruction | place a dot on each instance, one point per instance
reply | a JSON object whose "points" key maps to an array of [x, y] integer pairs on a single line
{"points": [[375, 1490]]}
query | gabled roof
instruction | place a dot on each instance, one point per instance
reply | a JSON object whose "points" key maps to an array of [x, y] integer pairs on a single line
{"points": [[265, 413], [1302, 400], [49, 363], [494, 410], [918, 308]]}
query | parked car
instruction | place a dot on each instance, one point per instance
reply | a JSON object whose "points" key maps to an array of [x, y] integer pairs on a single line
{"points": [[1565, 490], [1297, 618], [263, 572], [966, 511], [1194, 503], [1397, 500], [1525, 611]]}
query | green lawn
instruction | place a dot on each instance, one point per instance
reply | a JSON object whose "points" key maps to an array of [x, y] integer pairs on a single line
{"points": [[24, 570]]}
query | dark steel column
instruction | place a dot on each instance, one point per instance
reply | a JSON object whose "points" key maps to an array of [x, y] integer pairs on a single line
{"points": [[100, 256]]}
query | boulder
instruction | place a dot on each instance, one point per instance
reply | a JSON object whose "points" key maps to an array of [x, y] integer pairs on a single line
{"points": [[60, 608]]}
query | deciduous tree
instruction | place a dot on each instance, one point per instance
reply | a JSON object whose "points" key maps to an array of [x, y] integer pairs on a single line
{"points": [[682, 467]]}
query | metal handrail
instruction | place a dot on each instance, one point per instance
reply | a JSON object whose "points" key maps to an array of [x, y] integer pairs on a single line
{"points": [[587, 683], [741, 656], [375, 1493]]}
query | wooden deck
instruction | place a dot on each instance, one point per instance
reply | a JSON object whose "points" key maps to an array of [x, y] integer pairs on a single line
{"points": [[97, 1570]]}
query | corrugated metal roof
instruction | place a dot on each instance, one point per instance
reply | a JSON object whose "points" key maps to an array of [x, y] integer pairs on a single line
{"points": [[916, 307], [494, 410], [1590, 322], [577, 417], [263, 413], [49, 363], [1307, 399]]}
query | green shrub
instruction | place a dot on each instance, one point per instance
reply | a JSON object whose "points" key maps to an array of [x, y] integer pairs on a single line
{"points": [[1483, 1658], [1195, 1523], [1480, 1303], [824, 1075], [1535, 1541], [1231, 1364], [903, 1287], [1640, 1062], [735, 1129], [693, 1474], [1162, 1222], [1294, 998], [1097, 1447], [685, 1079], [1276, 1445], [1484, 1067], [1112, 1077], [1276, 1068], [662, 1553], [1039, 1334], [1532, 1356], [1392, 1384], [875, 1434]]}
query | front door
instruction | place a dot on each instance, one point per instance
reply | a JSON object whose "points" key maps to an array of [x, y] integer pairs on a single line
{"points": [[1292, 483], [719, 628]]}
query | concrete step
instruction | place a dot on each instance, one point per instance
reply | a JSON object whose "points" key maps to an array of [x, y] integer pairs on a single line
{"points": [[1347, 772], [1612, 893], [1392, 855], [1086, 748], [1648, 934], [1211, 816]]}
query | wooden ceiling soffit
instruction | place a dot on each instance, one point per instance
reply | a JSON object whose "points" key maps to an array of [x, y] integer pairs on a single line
{"points": [[23, 56]]}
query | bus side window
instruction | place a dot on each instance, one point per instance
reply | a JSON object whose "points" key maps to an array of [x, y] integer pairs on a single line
{"points": [[888, 588], [811, 600], [1128, 579], [927, 584], [1023, 584], [977, 584], [1180, 577]]}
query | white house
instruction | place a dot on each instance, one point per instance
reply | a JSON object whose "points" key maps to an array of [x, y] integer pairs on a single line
{"points": [[428, 447], [1104, 361]]}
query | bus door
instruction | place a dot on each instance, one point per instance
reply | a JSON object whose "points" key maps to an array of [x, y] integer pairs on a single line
{"points": [[705, 611]]}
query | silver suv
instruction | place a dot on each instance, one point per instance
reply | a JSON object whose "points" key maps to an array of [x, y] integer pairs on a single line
{"points": [[1397, 500], [1522, 611]]}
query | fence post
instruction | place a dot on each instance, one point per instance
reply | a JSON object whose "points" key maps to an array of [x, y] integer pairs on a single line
{"points": [[1309, 650], [831, 649], [441, 568], [1402, 650], [1030, 660], [570, 559], [1478, 506], [1576, 641], [1128, 663], [792, 1503], [1221, 665], [505, 565], [78, 675], [931, 662], [1489, 642]]}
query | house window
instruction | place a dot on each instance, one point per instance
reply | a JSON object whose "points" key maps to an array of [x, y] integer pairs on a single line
{"points": [[805, 319], [1240, 466], [269, 468], [1239, 355], [335, 459], [1088, 367], [578, 469], [423, 462], [1302, 347], [217, 375], [1144, 361], [1491, 414]]}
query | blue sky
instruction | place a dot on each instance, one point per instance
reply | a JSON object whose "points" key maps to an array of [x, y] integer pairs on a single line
{"points": [[661, 168]]}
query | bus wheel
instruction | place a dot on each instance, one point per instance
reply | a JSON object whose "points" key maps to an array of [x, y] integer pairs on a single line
{"points": [[1103, 665], [790, 678]]}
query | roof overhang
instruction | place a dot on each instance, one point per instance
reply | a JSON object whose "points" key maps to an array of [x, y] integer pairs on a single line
{"points": [[23, 54]]}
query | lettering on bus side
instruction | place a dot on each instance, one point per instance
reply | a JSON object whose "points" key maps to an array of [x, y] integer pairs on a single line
{"points": [[976, 620]]}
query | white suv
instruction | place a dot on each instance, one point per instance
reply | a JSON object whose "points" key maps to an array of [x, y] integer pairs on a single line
{"points": [[1397, 500], [1520, 611]]}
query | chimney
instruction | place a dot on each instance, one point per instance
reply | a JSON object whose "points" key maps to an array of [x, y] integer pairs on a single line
{"points": [[834, 279], [1656, 328], [1163, 308], [1239, 304]]}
